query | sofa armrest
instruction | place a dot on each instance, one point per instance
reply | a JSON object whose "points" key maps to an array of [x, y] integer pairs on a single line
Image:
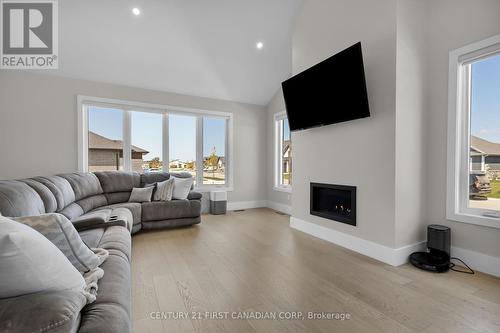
{"points": [[194, 195], [95, 220]]}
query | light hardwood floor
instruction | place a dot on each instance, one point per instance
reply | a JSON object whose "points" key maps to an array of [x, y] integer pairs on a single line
{"points": [[252, 261]]}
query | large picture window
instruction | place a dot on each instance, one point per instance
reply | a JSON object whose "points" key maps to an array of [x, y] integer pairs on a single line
{"points": [[128, 136], [283, 160], [474, 128], [182, 144], [146, 152], [214, 150], [105, 139]]}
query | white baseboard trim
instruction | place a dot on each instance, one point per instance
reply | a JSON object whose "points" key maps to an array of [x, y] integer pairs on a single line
{"points": [[280, 207], [391, 256], [478, 261], [237, 205]]}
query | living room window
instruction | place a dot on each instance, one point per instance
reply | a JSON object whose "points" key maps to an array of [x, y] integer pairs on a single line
{"points": [[130, 136], [146, 153], [283, 153], [182, 144], [105, 139], [474, 134], [214, 150]]}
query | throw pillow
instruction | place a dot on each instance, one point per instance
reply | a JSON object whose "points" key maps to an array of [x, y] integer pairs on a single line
{"points": [[30, 263], [164, 190], [61, 232], [182, 186], [141, 194], [153, 185]]}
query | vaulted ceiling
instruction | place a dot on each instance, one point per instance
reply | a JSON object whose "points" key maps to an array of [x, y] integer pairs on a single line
{"points": [[196, 47]]}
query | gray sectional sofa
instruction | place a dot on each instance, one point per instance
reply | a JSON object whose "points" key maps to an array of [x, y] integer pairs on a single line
{"points": [[89, 200]]}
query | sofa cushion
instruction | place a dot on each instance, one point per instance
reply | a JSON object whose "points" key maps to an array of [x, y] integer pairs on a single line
{"points": [[117, 239], [84, 184], [57, 311], [72, 211], [49, 200], [171, 223], [19, 199], [110, 312], [112, 238], [154, 177], [60, 188], [118, 181], [61, 232], [117, 197], [175, 209], [92, 237], [92, 202]]}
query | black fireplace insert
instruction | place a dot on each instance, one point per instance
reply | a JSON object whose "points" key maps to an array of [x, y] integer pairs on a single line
{"points": [[334, 202]]}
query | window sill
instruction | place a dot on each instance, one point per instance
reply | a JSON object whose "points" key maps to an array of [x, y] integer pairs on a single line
{"points": [[283, 189], [208, 188], [476, 218]]}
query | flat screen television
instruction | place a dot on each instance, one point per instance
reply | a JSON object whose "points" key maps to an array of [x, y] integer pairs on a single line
{"points": [[330, 92]]}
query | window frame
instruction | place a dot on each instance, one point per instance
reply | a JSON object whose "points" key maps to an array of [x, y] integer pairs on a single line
{"points": [[201, 126], [278, 158], [83, 102], [458, 152]]}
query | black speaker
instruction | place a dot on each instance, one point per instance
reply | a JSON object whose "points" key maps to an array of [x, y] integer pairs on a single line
{"points": [[437, 259]]}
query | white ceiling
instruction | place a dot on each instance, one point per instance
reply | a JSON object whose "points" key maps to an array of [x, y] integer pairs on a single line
{"points": [[195, 47]]}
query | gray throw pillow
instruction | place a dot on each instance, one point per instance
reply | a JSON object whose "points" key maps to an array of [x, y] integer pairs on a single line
{"points": [[164, 190], [61, 232], [141, 194], [153, 185]]}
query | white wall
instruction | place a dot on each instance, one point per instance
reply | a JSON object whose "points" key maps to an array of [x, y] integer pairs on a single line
{"points": [[452, 24], [396, 158], [360, 152], [411, 107], [276, 199], [38, 127]]}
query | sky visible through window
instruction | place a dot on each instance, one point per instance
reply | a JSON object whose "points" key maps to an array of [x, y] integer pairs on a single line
{"points": [[214, 133], [485, 103], [147, 133], [106, 122], [286, 130], [182, 129]]}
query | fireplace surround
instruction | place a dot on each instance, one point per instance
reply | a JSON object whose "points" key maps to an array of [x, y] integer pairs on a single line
{"points": [[334, 202]]}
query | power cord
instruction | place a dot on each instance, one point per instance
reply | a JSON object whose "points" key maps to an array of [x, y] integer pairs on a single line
{"points": [[452, 265]]}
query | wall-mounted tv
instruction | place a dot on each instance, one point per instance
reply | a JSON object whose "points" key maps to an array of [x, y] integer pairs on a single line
{"points": [[330, 92]]}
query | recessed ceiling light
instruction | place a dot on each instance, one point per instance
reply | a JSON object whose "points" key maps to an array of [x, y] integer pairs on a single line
{"points": [[259, 45], [136, 11]]}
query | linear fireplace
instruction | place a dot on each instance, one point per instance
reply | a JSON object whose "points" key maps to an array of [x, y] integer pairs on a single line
{"points": [[334, 202]]}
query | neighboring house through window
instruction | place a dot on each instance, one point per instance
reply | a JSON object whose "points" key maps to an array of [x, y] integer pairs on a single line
{"points": [[474, 134], [283, 154], [129, 136]]}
